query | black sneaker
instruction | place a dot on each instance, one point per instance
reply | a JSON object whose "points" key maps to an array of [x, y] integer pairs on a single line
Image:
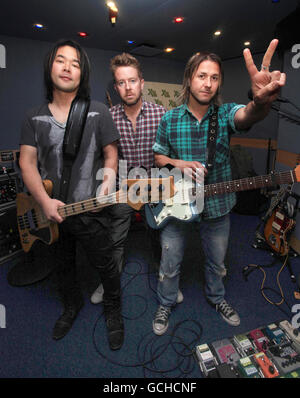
{"points": [[161, 323], [115, 329], [228, 313]]}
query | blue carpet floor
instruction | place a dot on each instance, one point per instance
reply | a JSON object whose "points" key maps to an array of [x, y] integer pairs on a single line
{"points": [[28, 351]]}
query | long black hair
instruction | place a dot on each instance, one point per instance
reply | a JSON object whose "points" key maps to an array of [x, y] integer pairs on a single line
{"points": [[84, 86]]}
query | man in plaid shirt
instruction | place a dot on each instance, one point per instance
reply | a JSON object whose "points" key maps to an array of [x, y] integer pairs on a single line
{"points": [[181, 142], [137, 121]]}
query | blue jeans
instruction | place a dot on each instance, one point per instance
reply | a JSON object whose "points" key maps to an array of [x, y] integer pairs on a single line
{"points": [[214, 235]]}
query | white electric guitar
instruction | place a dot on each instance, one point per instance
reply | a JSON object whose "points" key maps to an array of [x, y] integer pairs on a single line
{"points": [[183, 205]]}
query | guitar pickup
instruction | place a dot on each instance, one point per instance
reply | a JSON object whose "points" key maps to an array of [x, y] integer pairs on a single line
{"points": [[276, 226]]}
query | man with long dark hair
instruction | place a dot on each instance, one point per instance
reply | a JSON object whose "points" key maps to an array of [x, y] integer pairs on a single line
{"points": [[182, 141], [66, 76]]}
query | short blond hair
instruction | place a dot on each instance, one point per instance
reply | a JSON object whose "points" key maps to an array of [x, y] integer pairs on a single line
{"points": [[125, 59]]}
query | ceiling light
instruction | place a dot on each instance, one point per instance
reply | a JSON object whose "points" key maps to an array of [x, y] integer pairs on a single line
{"points": [[247, 43], [130, 41], [178, 19], [113, 12], [38, 25], [112, 6], [169, 49], [217, 33], [82, 34]]}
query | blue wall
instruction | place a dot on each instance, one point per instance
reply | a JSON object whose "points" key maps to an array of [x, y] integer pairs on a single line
{"points": [[21, 82]]}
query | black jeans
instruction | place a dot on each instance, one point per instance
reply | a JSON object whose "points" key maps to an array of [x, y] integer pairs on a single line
{"points": [[120, 222], [93, 233]]}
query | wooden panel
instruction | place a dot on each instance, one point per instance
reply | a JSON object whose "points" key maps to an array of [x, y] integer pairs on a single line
{"points": [[288, 158], [253, 142]]}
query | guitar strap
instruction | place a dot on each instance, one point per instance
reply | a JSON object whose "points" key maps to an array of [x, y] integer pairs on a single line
{"points": [[212, 138], [72, 139]]}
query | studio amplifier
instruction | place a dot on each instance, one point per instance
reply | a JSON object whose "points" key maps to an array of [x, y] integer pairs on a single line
{"points": [[9, 235]]}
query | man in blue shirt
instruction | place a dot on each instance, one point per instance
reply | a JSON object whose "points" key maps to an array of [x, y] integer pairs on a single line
{"points": [[182, 142]]}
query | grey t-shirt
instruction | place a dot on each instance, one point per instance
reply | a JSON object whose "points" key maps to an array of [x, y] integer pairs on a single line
{"points": [[42, 131]]}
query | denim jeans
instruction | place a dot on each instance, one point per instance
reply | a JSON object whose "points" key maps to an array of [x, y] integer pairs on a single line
{"points": [[214, 235]]}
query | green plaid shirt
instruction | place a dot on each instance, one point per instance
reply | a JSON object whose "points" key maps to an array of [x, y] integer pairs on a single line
{"points": [[181, 136]]}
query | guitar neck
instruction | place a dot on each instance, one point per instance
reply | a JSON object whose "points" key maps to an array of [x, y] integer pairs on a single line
{"points": [[88, 205], [245, 184], [134, 192]]}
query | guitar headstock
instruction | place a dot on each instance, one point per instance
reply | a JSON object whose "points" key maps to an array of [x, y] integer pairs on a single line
{"points": [[137, 192]]}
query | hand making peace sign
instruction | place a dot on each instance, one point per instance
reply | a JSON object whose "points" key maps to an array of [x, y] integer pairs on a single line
{"points": [[265, 85]]}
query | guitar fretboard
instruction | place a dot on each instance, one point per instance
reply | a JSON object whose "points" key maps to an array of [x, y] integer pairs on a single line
{"points": [[87, 205], [245, 184]]}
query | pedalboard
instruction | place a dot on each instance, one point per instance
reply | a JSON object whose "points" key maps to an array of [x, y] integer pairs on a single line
{"points": [[271, 351]]}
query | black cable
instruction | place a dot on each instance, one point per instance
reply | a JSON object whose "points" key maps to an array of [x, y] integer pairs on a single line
{"points": [[152, 348]]}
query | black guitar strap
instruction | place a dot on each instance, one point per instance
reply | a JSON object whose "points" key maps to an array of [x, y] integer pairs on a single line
{"points": [[212, 138], [72, 139]]}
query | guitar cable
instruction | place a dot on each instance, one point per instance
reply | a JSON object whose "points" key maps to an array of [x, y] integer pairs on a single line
{"points": [[251, 267], [151, 350]]}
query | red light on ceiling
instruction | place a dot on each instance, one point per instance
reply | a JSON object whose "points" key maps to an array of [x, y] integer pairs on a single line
{"points": [[178, 19], [83, 34]]}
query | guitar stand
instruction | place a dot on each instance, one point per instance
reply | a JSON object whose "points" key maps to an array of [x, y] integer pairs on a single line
{"points": [[260, 243]]}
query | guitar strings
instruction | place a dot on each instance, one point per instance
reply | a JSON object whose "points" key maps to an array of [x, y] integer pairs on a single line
{"points": [[256, 182], [78, 208], [96, 203]]}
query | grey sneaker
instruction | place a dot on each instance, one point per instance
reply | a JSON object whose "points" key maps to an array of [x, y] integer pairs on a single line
{"points": [[97, 296], [161, 323], [179, 297], [228, 313]]}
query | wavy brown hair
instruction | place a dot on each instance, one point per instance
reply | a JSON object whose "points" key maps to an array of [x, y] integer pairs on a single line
{"points": [[192, 66]]}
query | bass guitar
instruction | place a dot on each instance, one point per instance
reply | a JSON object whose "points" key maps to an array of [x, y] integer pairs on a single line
{"points": [[182, 205], [33, 224]]}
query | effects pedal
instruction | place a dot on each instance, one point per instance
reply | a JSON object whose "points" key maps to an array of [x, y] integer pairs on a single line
{"points": [[285, 357], [225, 351], [292, 375], [266, 365], [226, 371], [292, 333], [206, 359], [275, 334], [243, 345], [247, 368], [260, 340]]}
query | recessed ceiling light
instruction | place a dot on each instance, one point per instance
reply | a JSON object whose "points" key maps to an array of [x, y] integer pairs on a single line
{"points": [[217, 33], [169, 49], [178, 19], [247, 43], [112, 6], [82, 34], [38, 25]]}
